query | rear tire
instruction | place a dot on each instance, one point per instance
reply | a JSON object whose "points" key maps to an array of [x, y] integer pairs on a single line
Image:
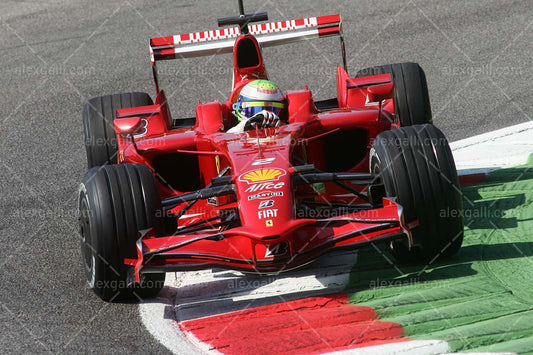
{"points": [[115, 202], [416, 166], [98, 115], [411, 96]]}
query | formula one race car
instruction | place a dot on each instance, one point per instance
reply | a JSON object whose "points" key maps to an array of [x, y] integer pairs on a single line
{"points": [[165, 194]]}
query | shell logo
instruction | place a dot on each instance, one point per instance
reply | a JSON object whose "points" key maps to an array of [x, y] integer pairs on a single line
{"points": [[262, 175]]}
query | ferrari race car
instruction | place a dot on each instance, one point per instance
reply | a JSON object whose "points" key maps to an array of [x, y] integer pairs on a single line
{"points": [[165, 194]]}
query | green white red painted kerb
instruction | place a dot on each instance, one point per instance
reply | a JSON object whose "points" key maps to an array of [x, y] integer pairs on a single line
{"points": [[360, 304]]}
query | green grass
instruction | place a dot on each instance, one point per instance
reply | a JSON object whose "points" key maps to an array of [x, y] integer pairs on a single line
{"points": [[482, 298]]}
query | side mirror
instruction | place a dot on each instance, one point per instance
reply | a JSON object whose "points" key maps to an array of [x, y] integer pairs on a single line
{"points": [[125, 126], [377, 93]]}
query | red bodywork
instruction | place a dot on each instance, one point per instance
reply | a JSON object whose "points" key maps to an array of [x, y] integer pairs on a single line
{"points": [[272, 233]]}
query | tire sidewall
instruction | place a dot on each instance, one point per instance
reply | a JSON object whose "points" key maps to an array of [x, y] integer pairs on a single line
{"points": [[87, 242]]}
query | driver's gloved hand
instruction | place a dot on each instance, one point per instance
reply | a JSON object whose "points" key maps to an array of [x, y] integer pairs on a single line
{"points": [[270, 119], [261, 119]]}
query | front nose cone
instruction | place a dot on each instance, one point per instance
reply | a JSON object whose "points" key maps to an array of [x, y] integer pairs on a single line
{"points": [[266, 200]]}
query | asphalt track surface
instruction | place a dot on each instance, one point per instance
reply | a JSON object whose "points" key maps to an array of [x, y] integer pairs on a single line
{"points": [[56, 55]]}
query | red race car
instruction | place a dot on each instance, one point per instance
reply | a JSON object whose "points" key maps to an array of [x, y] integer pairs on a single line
{"points": [[266, 181]]}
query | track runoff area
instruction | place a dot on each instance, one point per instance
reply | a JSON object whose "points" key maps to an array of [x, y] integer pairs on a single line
{"points": [[361, 303]]}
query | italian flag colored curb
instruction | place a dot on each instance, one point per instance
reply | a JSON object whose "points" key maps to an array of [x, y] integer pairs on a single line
{"points": [[312, 325], [305, 311]]}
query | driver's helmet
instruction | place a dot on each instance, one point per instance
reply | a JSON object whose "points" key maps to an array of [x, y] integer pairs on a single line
{"points": [[256, 96]]}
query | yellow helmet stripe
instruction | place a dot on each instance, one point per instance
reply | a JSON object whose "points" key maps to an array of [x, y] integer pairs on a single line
{"points": [[262, 103]]}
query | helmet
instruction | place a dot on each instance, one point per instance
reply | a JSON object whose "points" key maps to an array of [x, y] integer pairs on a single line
{"points": [[256, 96]]}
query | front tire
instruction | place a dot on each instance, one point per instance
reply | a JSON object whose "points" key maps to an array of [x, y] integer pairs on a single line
{"points": [[411, 96], [415, 165], [115, 202]]}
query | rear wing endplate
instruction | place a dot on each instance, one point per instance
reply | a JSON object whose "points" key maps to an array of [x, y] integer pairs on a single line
{"points": [[267, 34]]}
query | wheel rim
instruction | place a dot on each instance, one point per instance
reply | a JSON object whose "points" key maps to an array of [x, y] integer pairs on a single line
{"points": [[86, 240], [376, 171]]}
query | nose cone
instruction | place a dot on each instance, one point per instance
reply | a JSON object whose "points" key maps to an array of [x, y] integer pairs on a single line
{"points": [[265, 196]]}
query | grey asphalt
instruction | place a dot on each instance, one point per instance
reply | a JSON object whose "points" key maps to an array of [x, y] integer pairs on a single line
{"points": [[55, 55]]}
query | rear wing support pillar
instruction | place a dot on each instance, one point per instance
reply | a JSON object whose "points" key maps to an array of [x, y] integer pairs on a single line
{"points": [[154, 71], [343, 50]]}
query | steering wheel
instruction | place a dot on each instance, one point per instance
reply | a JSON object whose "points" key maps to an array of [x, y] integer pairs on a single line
{"points": [[253, 122]]}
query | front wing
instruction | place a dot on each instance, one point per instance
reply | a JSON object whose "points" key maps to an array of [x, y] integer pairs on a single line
{"points": [[240, 249]]}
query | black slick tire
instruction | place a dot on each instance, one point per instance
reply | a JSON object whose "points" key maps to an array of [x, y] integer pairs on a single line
{"points": [[416, 166], [115, 203]]}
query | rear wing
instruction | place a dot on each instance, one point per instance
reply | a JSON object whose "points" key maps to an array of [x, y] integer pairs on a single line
{"points": [[221, 41]]}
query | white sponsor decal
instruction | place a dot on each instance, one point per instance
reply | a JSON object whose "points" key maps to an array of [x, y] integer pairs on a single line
{"points": [[265, 186], [267, 213], [277, 249], [266, 204], [144, 129], [263, 161], [370, 103], [265, 195]]}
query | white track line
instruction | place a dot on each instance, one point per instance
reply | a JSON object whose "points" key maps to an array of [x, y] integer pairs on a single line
{"points": [[413, 347], [189, 295], [504, 148], [158, 317]]}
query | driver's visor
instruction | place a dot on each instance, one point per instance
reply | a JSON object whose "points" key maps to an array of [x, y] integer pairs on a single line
{"points": [[249, 109]]}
